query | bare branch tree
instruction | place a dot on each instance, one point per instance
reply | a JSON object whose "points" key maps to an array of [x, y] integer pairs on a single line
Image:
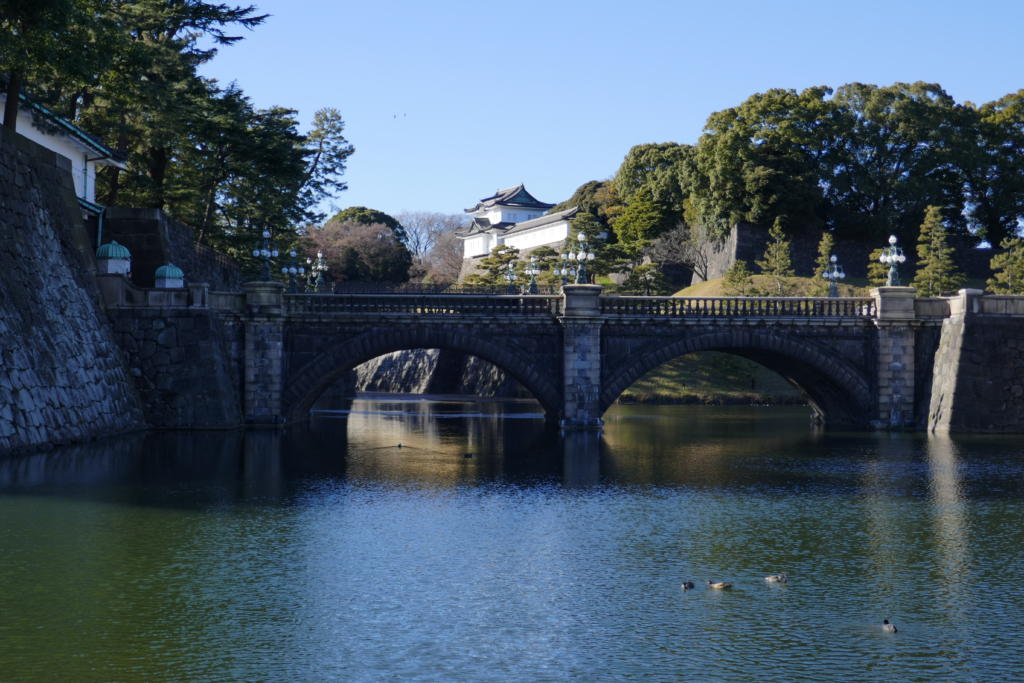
{"points": [[689, 245], [423, 228]]}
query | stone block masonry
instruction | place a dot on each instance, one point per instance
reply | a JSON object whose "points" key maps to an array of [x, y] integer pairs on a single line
{"points": [[62, 375], [182, 363], [978, 382]]}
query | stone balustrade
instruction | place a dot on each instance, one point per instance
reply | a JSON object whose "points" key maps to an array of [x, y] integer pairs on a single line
{"points": [[739, 307], [423, 304]]}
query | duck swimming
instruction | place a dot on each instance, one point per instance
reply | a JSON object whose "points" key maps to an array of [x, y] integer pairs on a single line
{"points": [[887, 627], [719, 585], [687, 585], [777, 578]]}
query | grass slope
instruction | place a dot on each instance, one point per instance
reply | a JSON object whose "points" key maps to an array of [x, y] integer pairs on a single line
{"points": [[712, 378]]}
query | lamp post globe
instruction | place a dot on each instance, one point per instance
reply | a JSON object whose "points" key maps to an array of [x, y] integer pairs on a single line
{"points": [[833, 273], [892, 256]]}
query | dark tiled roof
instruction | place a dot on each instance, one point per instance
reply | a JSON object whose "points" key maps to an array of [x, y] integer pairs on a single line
{"points": [[74, 131], [565, 215], [480, 225], [512, 196]]}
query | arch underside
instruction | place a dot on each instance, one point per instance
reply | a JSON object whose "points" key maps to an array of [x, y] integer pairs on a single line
{"points": [[307, 383], [837, 389]]}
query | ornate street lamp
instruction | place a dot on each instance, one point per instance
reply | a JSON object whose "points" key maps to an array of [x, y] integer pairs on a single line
{"points": [[291, 271], [891, 256], [833, 272], [533, 270], [564, 269], [265, 253], [317, 269], [510, 277], [581, 257]]}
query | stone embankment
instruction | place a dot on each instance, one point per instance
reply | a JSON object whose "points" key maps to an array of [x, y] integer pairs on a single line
{"points": [[435, 371], [62, 377]]}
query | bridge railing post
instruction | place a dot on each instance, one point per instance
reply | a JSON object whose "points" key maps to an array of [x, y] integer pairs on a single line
{"points": [[264, 352], [581, 356], [894, 319]]}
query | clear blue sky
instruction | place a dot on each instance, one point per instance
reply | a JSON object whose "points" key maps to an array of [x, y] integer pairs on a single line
{"points": [[447, 101]]}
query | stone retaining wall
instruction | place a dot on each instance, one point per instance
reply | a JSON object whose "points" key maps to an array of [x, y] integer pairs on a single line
{"points": [[62, 376], [184, 361]]}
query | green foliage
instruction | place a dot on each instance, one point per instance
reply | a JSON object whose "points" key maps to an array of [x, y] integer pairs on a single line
{"points": [[128, 72], [492, 269], [878, 272], [864, 162], [826, 246], [776, 262], [1008, 268], [360, 252], [643, 220], [739, 279], [762, 160], [936, 272], [995, 177], [646, 279], [365, 216], [547, 260], [658, 169]]}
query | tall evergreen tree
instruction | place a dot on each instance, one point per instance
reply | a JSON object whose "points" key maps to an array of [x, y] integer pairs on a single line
{"points": [[777, 263], [936, 271], [826, 246], [1008, 268], [878, 272], [738, 279]]}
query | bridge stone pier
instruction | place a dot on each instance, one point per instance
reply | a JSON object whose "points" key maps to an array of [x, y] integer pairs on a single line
{"points": [[265, 355]]}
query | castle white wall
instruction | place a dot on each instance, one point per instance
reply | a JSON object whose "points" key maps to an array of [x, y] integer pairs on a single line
{"points": [[546, 235], [83, 172]]}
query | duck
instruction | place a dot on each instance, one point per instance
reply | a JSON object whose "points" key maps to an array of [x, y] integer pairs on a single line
{"points": [[719, 585], [777, 578], [887, 627], [687, 585]]}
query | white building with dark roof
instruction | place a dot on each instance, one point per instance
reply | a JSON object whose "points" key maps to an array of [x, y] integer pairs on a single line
{"points": [[515, 218], [83, 152]]}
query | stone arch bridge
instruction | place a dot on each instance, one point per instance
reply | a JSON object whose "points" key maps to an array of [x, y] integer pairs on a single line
{"points": [[206, 358], [855, 358]]}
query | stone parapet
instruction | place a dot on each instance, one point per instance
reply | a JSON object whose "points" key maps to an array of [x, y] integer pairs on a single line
{"points": [[894, 303]]}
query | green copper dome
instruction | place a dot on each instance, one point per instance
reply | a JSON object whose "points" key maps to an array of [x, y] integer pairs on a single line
{"points": [[170, 272], [112, 250]]}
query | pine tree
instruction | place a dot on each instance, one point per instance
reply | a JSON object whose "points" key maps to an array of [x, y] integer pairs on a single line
{"points": [[878, 272], [936, 272], [825, 248], [738, 280], [1008, 268], [776, 262], [493, 268]]}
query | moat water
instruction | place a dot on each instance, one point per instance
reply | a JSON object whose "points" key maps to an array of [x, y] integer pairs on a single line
{"points": [[487, 548]]}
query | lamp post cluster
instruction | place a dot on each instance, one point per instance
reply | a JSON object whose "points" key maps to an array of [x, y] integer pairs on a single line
{"points": [[265, 253], [291, 271], [833, 273], [317, 269], [892, 256], [533, 270], [565, 269], [510, 277], [581, 254]]}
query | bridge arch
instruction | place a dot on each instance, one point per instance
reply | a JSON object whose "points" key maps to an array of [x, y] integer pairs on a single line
{"points": [[303, 386], [836, 388]]}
